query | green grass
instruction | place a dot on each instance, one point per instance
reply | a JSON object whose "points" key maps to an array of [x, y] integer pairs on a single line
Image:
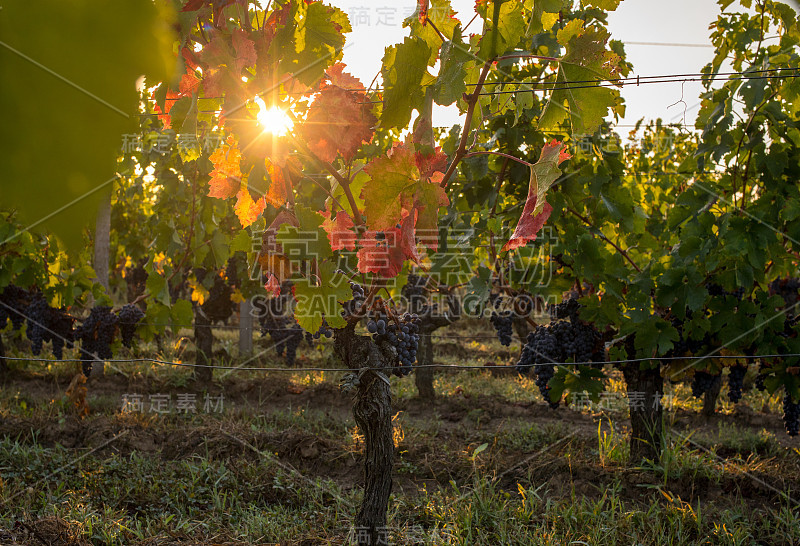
{"points": [[288, 469]]}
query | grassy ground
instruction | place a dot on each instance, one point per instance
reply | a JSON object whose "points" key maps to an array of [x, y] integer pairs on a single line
{"points": [[487, 463]]}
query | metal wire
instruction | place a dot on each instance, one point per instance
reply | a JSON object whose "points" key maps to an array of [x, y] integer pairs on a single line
{"points": [[441, 366]]}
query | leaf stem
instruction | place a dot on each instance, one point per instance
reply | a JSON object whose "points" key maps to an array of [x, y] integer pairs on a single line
{"points": [[427, 20], [540, 57], [492, 152], [343, 182], [472, 100], [622, 252]]}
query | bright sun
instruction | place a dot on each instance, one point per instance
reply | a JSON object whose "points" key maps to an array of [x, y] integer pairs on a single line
{"points": [[273, 120]]}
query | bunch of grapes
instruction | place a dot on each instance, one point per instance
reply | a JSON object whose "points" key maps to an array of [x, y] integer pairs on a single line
{"points": [[502, 322], [61, 332], [541, 351], [48, 324], [788, 289], [128, 318], [567, 309], [13, 302], [578, 341], [760, 377], [96, 335], [324, 330], [716, 290], [791, 415], [284, 331], [402, 334], [703, 382], [38, 321], [736, 382], [136, 279], [416, 293], [351, 307], [218, 307]]}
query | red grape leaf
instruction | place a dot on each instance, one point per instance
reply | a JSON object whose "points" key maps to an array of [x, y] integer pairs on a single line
{"points": [[226, 177], [271, 258], [272, 285], [189, 84], [190, 58], [193, 5], [278, 192], [246, 208], [339, 119], [244, 48], [422, 11], [384, 252], [163, 116], [342, 79], [402, 182], [339, 230], [536, 211]]}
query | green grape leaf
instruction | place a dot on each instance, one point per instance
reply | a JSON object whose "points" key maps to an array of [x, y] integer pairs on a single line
{"points": [[308, 241], [181, 314], [319, 299], [505, 34], [403, 69], [317, 41], [403, 182], [586, 59], [242, 242], [441, 14], [49, 66], [536, 211], [451, 84]]}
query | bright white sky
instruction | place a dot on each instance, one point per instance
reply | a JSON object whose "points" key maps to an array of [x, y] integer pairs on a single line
{"points": [[378, 23]]}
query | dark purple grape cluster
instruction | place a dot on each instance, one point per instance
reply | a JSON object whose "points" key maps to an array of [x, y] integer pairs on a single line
{"points": [[352, 306], [218, 306], [136, 279], [416, 293], [128, 318], [96, 335], [788, 289], [324, 330], [736, 382], [567, 309], [503, 325], [402, 334], [540, 352], [48, 324], [284, 331], [38, 317], [791, 415], [716, 290], [13, 303], [702, 382]]}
